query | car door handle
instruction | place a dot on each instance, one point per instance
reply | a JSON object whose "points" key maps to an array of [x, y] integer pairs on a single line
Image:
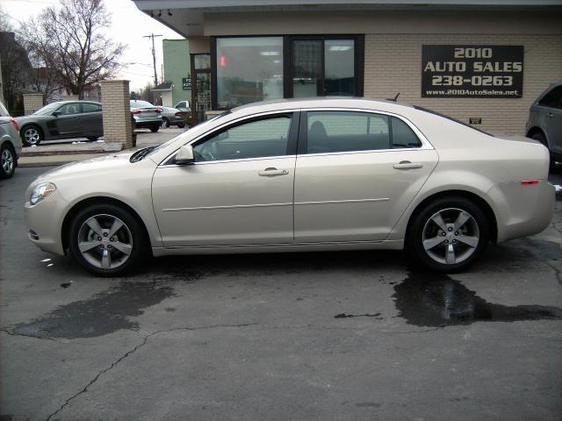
{"points": [[407, 165], [550, 115], [272, 172]]}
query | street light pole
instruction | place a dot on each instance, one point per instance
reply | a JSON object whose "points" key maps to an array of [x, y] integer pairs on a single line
{"points": [[152, 36]]}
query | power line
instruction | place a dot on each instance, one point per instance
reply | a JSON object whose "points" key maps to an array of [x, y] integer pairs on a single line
{"points": [[152, 36]]}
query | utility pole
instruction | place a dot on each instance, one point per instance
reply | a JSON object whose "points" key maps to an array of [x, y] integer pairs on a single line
{"points": [[152, 36]]}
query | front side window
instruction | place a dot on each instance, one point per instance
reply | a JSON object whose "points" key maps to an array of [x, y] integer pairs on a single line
{"points": [[69, 109], [253, 139], [249, 69], [344, 131]]}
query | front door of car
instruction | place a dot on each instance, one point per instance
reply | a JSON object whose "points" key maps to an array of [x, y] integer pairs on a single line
{"points": [[67, 120], [238, 190], [551, 118], [356, 173]]}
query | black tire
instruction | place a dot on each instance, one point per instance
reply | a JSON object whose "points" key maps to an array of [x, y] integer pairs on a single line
{"points": [[181, 125], [92, 138], [542, 138], [165, 122], [140, 242], [8, 161], [155, 128], [31, 134], [448, 205]]}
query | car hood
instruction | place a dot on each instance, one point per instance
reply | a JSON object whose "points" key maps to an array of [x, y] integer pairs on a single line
{"points": [[28, 118], [94, 166]]}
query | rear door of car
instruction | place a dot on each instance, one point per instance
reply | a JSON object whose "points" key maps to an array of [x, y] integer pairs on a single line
{"points": [[356, 173], [91, 119]]}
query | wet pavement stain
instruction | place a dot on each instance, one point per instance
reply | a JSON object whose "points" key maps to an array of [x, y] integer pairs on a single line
{"points": [[436, 300], [104, 313], [350, 316]]}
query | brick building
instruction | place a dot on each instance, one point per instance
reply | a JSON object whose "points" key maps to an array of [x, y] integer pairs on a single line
{"points": [[483, 62]]}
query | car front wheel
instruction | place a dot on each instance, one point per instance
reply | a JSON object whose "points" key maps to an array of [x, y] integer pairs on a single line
{"points": [[448, 234], [107, 240]]}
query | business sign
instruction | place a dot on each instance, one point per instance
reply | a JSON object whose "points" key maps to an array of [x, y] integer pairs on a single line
{"points": [[186, 83], [468, 71]]}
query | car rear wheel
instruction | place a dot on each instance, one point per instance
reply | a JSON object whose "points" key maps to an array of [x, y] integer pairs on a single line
{"points": [[31, 135], [165, 122], [181, 125], [7, 161], [155, 128], [448, 234], [107, 240]]}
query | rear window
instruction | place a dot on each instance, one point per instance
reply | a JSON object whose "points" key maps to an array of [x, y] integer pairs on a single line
{"points": [[452, 119], [141, 104]]}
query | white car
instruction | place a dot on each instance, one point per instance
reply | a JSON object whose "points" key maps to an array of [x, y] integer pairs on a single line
{"points": [[298, 175]]}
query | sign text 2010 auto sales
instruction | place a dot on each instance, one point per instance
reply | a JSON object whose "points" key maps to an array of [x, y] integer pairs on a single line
{"points": [[487, 71]]}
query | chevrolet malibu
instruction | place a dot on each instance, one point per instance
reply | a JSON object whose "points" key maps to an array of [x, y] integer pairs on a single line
{"points": [[298, 175]]}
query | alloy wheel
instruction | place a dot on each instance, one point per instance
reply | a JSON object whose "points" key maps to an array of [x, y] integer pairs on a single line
{"points": [[450, 236], [105, 241], [32, 135], [7, 161]]}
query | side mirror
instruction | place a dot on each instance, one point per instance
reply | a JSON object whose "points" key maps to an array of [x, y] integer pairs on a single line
{"points": [[56, 113], [185, 155]]}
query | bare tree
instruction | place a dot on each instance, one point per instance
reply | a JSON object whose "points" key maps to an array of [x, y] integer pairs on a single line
{"points": [[70, 41]]}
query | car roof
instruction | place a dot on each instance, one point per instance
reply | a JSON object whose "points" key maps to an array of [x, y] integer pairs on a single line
{"points": [[324, 102]]}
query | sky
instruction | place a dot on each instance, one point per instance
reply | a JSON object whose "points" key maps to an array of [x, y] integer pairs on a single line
{"points": [[128, 25]]}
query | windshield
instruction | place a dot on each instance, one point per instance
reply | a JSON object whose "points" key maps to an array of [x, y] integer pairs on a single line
{"points": [[427, 110], [47, 109], [141, 104]]}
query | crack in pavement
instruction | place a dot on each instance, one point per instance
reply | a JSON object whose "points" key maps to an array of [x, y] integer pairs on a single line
{"points": [[132, 351]]}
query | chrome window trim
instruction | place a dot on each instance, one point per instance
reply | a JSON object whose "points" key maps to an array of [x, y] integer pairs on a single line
{"points": [[426, 145]]}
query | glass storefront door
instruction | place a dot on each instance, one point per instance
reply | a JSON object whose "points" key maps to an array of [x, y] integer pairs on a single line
{"points": [[323, 67], [201, 86]]}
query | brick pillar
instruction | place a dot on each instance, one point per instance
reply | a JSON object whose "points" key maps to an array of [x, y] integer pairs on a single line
{"points": [[116, 112], [32, 102]]}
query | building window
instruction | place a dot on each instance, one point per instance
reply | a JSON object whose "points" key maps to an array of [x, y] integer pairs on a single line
{"points": [[248, 69]]}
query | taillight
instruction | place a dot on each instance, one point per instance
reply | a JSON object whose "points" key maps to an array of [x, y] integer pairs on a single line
{"points": [[158, 110], [15, 124], [530, 182], [136, 112], [179, 114]]}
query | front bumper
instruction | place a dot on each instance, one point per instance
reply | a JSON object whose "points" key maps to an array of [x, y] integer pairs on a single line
{"points": [[43, 223]]}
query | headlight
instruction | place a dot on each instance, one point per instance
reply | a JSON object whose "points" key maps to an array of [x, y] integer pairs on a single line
{"points": [[41, 191]]}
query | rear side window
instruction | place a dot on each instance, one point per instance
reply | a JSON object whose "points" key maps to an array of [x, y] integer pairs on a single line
{"points": [[90, 108], [553, 99], [345, 131]]}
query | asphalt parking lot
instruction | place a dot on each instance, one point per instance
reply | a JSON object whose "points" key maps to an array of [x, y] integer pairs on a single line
{"points": [[355, 335]]}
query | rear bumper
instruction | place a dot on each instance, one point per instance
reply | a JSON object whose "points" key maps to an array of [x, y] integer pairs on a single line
{"points": [[527, 210]]}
